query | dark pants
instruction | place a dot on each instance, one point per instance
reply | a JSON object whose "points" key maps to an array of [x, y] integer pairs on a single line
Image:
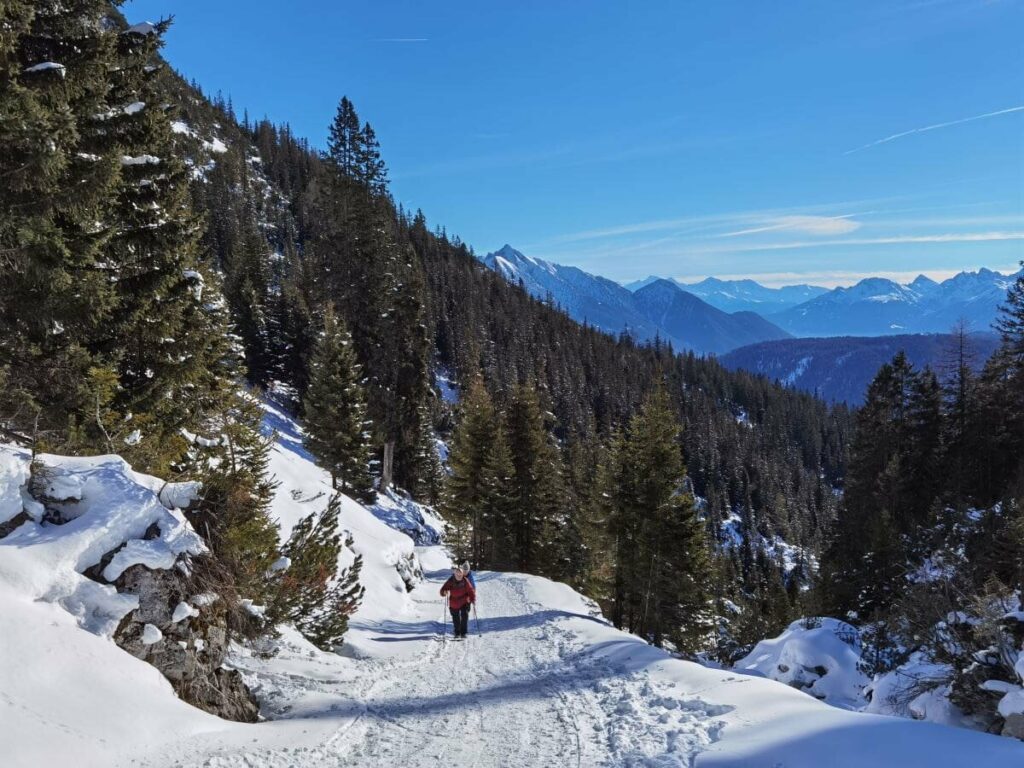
{"points": [[460, 618]]}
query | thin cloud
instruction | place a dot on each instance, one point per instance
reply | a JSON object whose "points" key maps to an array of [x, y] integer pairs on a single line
{"points": [[808, 225], [935, 127], [957, 237], [401, 40], [755, 218]]}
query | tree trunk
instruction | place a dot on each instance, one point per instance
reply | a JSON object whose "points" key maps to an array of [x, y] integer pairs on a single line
{"points": [[387, 465]]}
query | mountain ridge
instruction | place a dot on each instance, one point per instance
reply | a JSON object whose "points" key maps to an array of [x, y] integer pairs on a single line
{"points": [[646, 314]]}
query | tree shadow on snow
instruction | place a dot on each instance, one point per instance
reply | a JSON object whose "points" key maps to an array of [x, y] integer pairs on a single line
{"points": [[409, 631]]}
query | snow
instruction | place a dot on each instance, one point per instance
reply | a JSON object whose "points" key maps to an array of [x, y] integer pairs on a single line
{"points": [[144, 28], [546, 682], [790, 555], [107, 507], [793, 376], [403, 514], [47, 66], [69, 696], [180, 126], [820, 657], [389, 558], [151, 634], [216, 145], [446, 384], [183, 611], [140, 160]]}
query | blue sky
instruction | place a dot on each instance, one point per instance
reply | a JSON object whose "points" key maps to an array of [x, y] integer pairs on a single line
{"points": [[792, 141]]}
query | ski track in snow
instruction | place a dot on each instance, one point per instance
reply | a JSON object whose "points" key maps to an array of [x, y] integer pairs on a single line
{"points": [[525, 692]]}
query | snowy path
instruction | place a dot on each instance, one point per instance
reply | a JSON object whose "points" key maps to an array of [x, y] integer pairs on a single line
{"points": [[526, 690]]}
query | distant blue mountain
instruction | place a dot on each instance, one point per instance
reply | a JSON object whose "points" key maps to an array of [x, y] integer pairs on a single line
{"points": [[879, 307], [662, 309], [743, 295]]}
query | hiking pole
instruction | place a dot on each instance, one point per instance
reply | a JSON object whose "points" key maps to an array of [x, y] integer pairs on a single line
{"points": [[444, 620], [476, 618]]}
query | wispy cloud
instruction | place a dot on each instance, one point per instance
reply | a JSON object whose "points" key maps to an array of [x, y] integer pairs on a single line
{"points": [[808, 225], [401, 40], [952, 237], [936, 127]]}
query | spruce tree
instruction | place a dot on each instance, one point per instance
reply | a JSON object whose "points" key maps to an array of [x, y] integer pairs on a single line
{"points": [[465, 490], [335, 412], [58, 182], [496, 529], [311, 594], [662, 559], [534, 464]]}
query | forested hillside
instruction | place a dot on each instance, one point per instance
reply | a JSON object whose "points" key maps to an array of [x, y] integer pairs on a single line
{"points": [[764, 462], [169, 262], [840, 368]]}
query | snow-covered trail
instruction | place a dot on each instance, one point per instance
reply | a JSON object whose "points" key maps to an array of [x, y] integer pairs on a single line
{"points": [[546, 683], [524, 689]]}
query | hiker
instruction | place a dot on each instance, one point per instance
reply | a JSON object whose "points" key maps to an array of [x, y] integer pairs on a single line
{"points": [[469, 575], [461, 596]]}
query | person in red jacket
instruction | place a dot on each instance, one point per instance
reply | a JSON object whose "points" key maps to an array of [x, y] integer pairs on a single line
{"points": [[461, 596]]}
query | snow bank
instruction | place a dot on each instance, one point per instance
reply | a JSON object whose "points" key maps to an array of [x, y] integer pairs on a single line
{"points": [[107, 508], [818, 656], [67, 696], [919, 689], [759, 722]]}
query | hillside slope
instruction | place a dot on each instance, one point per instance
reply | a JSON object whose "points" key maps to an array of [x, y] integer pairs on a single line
{"points": [[542, 681], [839, 369]]}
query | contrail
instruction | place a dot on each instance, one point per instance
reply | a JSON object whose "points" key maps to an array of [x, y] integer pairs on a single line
{"points": [[935, 127]]}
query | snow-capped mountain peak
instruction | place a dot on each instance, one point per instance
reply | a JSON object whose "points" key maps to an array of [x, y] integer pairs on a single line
{"points": [[655, 311], [880, 307]]}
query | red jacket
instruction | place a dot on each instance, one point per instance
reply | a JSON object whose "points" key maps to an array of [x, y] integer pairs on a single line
{"points": [[460, 593]]}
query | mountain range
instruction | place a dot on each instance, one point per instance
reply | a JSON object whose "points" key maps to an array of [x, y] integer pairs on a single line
{"points": [[715, 316], [659, 309], [875, 306], [743, 295], [879, 307]]}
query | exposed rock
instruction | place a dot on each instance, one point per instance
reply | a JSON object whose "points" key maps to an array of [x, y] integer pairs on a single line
{"points": [[189, 652], [1013, 726]]}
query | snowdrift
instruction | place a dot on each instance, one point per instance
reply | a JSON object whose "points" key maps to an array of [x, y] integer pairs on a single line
{"points": [[819, 657]]}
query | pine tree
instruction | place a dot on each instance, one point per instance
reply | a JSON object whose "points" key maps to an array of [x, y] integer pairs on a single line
{"points": [[662, 556], [534, 464], [58, 180], [594, 477], [890, 488], [335, 412], [230, 459], [344, 142], [496, 528], [465, 490], [310, 593]]}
